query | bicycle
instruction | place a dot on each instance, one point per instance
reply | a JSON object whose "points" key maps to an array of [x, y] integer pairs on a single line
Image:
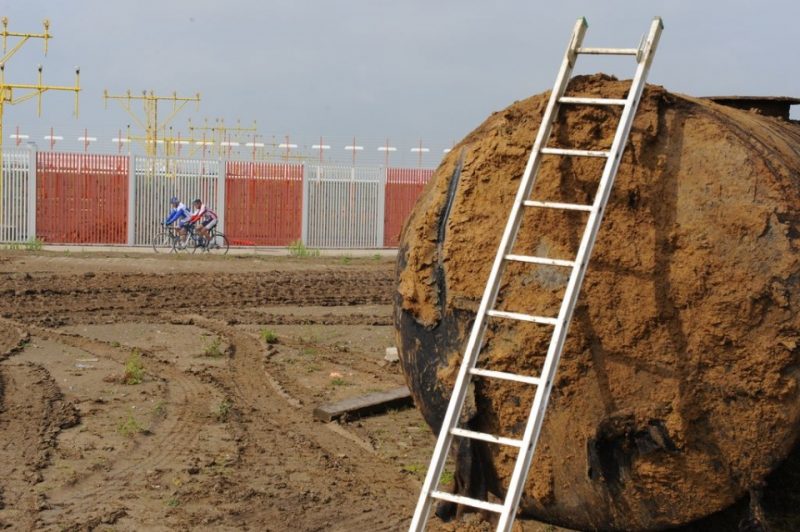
{"points": [[166, 240], [216, 243]]}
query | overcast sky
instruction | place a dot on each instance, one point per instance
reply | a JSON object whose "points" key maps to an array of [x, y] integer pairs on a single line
{"points": [[408, 70]]}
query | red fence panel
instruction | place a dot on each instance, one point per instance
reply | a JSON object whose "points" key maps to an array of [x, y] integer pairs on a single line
{"points": [[263, 203], [403, 187], [81, 198]]}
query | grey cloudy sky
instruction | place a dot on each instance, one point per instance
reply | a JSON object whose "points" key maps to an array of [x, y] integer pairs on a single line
{"points": [[407, 70]]}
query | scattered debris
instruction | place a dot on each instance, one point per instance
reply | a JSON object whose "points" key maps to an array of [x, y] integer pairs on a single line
{"points": [[363, 405], [392, 355]]}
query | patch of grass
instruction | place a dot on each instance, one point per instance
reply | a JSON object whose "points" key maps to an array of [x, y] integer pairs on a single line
{"points": [[415, 468], [223, 410], [130, 427], [447, 477], [214, 348], [173, 502], [134, 369], [338, 381], [34, 244], [347, 259], [269, 336], [298, 249], [308, 351], [376, 256], [160, 410], [115, 344]]}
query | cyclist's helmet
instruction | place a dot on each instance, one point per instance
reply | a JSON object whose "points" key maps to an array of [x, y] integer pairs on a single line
{"points": [[174, 200]]}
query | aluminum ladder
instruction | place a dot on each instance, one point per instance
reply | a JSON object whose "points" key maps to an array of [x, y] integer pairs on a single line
{"points": [[543, 383]]}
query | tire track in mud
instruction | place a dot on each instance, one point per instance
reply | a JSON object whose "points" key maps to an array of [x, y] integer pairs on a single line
{"points": [[379, 489], [33, 413], [170, 443]]}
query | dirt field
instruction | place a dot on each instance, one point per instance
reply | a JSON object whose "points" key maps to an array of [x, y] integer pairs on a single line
{"points": [[219, 432]]}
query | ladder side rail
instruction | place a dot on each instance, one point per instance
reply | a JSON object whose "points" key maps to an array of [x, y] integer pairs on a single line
{"points": [[539, 406], [473, 347]]}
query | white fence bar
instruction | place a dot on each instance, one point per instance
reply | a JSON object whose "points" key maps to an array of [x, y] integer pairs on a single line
{"points": [[220, 200], [157, 180], [131, 239], [16, 195], [30, 203], [343, 206]]}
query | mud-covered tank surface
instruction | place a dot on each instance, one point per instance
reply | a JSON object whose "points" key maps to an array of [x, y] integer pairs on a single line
{"points": [[677, 391]]}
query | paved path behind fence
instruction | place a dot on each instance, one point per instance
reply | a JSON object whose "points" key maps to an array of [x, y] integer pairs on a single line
{"points": [[236, 250]]}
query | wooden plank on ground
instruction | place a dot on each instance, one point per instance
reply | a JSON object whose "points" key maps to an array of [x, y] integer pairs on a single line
{"points": [[365, 404]]}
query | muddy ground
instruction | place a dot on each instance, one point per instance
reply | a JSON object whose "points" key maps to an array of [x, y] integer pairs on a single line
{"points": [[139, 392]]}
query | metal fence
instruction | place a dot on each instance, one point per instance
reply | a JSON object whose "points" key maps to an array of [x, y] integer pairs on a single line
{"points": [[155, 181], [343, 207], [403, 187], [81, 198], [17, 218], [264, 203], [117, 199]]}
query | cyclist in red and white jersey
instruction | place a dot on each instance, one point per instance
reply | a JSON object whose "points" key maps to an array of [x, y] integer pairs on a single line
{"points": [[205, 218]]}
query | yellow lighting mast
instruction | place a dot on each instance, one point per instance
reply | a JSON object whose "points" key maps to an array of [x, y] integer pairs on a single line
{"points": [[153, 129], [222, 136], [29, 90]]}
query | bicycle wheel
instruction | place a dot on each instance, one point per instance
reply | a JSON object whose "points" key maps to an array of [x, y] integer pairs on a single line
{"points": [[192, 244], [163, 242], [218, 244]]}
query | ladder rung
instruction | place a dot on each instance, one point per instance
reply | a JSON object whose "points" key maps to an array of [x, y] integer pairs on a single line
{"points": [[608, 51], [576, 153], [541, 260], [592, 101], [522, 317], [491, 438], [536, 381], [557, 205], [467, 501]]}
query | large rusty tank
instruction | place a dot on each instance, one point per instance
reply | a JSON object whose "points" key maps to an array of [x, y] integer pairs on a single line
{"points": [[677, 392]]}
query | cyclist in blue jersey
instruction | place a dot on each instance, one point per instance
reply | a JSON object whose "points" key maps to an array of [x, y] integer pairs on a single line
{"points": [[180, 215]]}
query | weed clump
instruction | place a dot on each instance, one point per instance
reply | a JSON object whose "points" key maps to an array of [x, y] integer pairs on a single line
{"points": [[160, 410], [214, 349], [298, 249], [223, 410], [134, 369], [34, 244], [130, 427], [269, 336]]}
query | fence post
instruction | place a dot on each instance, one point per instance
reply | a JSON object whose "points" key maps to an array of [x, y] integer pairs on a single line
{"points": [[381, 221], [222, 176], [131, 199], [30, 220], [304, 208]]}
